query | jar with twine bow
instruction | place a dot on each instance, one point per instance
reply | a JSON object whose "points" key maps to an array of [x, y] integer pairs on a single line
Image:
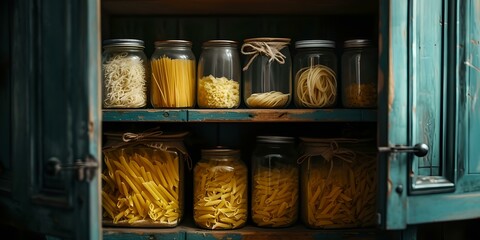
{"points": [[267, 72], [143, 179], [338, 183]]}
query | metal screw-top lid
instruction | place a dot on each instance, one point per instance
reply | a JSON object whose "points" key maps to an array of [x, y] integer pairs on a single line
{"points": [[357, 43], [123, 43], [315, 44], [183, 43], [275, 139], [220, 151], [221, 43]]}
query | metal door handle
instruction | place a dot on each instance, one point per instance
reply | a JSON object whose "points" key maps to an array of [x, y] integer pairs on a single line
{"points": [[420, 149]]}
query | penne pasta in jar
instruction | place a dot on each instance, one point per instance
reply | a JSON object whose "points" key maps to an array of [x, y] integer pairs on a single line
{"points": [[142, 179], [220, 190], [274, 182], [338, 183]]}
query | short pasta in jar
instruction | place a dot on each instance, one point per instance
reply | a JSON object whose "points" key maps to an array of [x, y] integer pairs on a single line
{"points": [[220, 190], [338, 183], [142, 179]]}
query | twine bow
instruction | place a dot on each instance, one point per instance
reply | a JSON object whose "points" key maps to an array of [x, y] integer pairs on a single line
{"points": [[327, 151], [128, 136], [269, 49]]}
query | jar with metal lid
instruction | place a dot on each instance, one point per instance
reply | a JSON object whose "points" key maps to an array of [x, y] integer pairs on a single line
{"points": [[267, 72], [124, 73], [220, 184], [143, 179], [338, 182], [315, 69], [275, 183], [219, 75], [173, 75], [359, 74]]}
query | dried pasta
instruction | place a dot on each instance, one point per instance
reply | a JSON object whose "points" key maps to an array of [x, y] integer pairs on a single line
{"points": [[173, 83], [339, 192], [220, 196], [218, 92], [125, 84], [316, 87], [270, 99], [275, 196], [142, 187], [360, 95]]}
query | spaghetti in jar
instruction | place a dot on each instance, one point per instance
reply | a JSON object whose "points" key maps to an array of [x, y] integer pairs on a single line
{"points": [[220, 188], [173, 80], [338, 183], [143, 179], [267, 72], [315, 71]]}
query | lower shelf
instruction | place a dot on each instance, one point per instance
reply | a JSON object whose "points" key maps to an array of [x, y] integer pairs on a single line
{"points": [[190, 232]]}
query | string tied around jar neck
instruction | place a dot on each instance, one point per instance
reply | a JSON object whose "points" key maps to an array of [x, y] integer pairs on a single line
{"points": [[327, 150], [128, 136], [269, 49]]}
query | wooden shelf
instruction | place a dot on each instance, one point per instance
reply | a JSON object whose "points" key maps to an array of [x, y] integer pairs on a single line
{"points": [[206, 7], [240, 115], [189, 231]]}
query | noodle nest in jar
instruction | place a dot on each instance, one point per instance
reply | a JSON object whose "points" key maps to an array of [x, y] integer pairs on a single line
{"points": [[316, 87]]}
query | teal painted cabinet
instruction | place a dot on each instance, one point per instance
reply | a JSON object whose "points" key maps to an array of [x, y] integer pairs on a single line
{"points": [[52, 121]]}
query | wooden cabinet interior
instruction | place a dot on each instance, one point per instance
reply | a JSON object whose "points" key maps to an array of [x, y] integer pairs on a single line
{"points": [[152, 20]]}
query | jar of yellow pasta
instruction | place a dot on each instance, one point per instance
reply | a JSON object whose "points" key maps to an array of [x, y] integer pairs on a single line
{"points": [[173, 79], [359, 74], [219, 74], [315, 71], [124, 74], [143, 179], [338, 183], [267, 73], [275, 195], [220, 190]]}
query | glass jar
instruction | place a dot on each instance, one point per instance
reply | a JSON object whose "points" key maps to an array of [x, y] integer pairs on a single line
{"points": [[275, 186], [359, 74], [124, 74], [219, 75], [143, 179], [315, 68], [338, 183], [267, 72], [220, 190], [173, 75]]}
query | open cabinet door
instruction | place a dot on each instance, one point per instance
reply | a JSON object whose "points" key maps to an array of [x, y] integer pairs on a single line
{"points": [[429, 112], [49, 178]]}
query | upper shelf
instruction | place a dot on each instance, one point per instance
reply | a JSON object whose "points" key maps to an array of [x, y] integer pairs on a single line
{"points": [[240, 115], [243, 7]]}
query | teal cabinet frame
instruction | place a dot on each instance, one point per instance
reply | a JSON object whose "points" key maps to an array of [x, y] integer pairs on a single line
{"points": [[433, 42]]}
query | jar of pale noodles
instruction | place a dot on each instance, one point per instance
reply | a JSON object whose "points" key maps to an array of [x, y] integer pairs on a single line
{"points": [[267, 73], [219, 75], [338, 183], [275, 195], [220, 190], [315, 71], [124, 74], [143, 179], [173, 75]]}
